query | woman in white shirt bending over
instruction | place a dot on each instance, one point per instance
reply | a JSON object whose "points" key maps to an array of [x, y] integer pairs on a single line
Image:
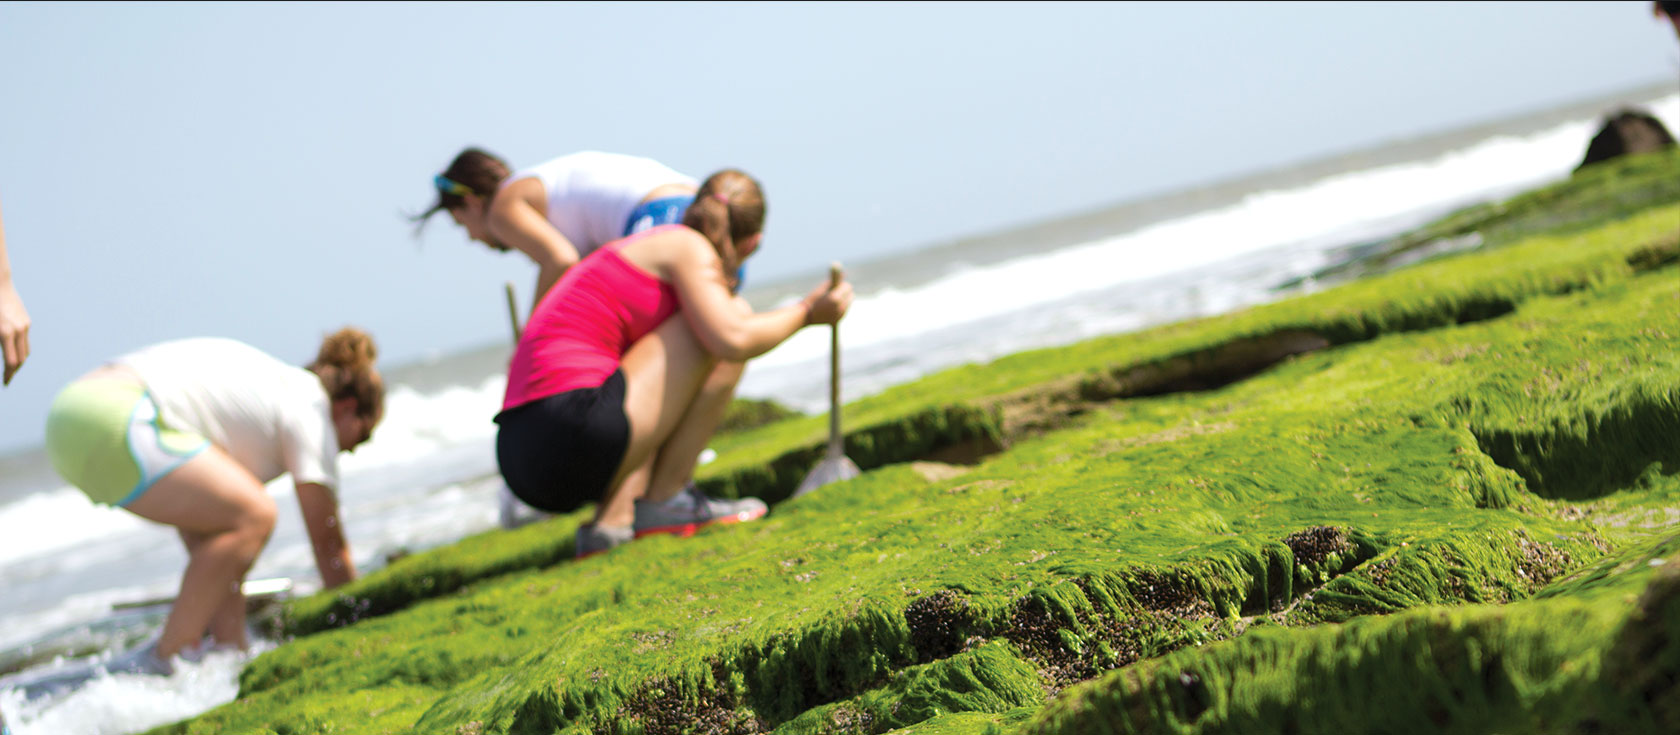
{"points": [[188, 432], [560, 210]]}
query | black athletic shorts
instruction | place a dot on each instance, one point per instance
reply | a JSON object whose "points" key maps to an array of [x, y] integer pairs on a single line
{"points": [[560, 452]]}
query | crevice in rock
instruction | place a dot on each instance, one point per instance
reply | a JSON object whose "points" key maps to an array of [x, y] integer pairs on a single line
{"points": [[1201, 370], [1599, 451], [939, 623], [660, 707], [1659, 253]]}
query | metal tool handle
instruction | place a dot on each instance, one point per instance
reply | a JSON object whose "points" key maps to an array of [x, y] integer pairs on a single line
{"points": [[513, 311]]}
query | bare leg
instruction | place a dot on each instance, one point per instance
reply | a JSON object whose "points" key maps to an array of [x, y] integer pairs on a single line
{"points": [[674, 464], [227, 626], [212, 497], [663, 371], [619, 507]]}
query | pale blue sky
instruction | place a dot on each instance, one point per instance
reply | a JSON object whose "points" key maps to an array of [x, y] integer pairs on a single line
{"points": [[171, 170]]}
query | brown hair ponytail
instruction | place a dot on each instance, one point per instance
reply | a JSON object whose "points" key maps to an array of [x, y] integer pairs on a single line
{"points": [[345, 367], [729, 207]]}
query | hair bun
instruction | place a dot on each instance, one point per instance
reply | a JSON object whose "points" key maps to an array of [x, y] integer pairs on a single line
{"points": [[348, 349]]}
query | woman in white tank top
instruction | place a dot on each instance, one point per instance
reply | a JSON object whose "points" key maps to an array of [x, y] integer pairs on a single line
{"points": [[559, 211]]}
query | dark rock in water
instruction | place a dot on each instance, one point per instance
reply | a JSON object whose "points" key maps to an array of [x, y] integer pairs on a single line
{"points": [[64, 679], [1628, 131]]}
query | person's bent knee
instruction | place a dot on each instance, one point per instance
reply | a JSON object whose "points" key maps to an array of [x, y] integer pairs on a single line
{"points": [[257, 520], [263, 515]]}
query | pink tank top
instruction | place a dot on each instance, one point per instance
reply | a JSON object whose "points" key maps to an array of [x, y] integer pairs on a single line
{"points": [[586, 323]]}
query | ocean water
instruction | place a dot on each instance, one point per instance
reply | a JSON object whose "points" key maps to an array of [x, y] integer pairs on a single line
{"points": [[428, 476]]}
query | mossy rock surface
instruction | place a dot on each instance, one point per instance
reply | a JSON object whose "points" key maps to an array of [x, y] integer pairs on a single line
{"points": [[988, 405], [1435, 492], [751, 413], [1603, 661]]}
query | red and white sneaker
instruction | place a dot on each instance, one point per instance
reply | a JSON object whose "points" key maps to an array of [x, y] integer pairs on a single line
{"points": [[691, 510]]}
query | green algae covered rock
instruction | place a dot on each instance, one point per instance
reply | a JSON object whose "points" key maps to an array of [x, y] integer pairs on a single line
{"points": [[1599, 662], [1426, 500], [749, 413]]}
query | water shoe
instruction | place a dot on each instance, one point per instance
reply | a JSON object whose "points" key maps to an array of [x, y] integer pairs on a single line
{"points": [[142, 660]]}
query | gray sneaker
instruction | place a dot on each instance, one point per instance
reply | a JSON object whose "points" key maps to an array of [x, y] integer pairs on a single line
{"points": [[142, 660], [592, 539], [691, 510], [513, 513]]}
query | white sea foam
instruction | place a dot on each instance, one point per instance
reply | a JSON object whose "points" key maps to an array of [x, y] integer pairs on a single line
{"points": [[117, 704]]}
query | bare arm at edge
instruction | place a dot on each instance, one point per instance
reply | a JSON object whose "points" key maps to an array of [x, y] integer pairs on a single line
{"points": [[326, 534], [14, 319]]}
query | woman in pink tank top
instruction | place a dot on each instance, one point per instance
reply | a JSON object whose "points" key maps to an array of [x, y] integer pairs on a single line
{"points": [[612, 394]]}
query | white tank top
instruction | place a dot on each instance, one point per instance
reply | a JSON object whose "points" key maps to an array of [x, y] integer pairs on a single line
{"points": [[591, 194]]}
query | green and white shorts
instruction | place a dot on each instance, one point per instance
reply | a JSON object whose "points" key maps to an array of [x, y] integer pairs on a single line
{"points": [[106, 438]]}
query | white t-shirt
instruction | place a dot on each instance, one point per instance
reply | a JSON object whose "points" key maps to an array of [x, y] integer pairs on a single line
{"points": [[269, 416], [591, 194]]}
